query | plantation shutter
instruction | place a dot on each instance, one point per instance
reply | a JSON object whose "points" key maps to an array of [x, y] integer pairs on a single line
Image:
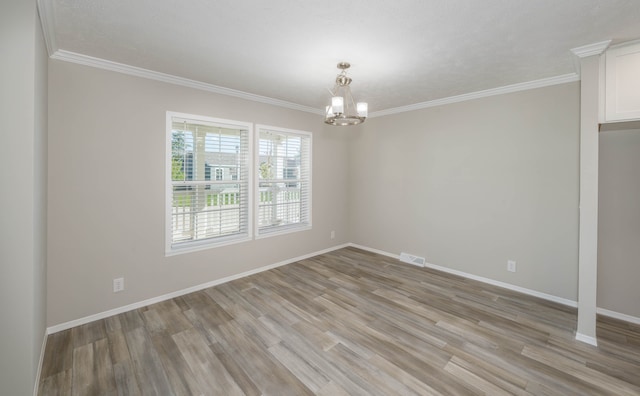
{"points": [[209, 181], [284, 180]]}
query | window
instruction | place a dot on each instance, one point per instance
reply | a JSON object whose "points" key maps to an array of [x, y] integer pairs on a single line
{"points": [[283, 165], [219, 173], [210, 166], [208, 189]]}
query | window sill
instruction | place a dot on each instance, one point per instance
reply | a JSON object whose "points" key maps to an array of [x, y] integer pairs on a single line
{"points": [[204, 245], [283, 230]]}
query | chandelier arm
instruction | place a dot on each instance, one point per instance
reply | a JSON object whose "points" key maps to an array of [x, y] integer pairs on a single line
{"points": [[354, 108], [349, 109]]}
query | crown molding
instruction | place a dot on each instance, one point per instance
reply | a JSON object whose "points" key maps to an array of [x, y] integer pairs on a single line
{"points": [[48, 22], [72, 57], [591, 49], [624, 44], [86, 60], [588, 50], [545, 82]]}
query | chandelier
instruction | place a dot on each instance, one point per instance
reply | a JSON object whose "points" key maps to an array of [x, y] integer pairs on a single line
{"points": [[343, 109]]}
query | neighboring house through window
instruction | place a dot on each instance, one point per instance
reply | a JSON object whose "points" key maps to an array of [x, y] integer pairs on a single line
{"points": [[201, 211], [210, 195], [283, 164]]}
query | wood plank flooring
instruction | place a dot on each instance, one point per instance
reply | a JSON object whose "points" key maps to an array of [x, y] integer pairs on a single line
{"points": [[348, 322]]}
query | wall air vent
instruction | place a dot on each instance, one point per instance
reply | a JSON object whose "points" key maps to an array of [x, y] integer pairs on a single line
{"points": [[411, 259]]}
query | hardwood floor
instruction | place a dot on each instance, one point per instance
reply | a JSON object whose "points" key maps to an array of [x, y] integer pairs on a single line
{"points": [[348, 322]]}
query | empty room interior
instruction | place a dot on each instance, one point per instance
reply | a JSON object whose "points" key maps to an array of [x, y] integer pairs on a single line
{"points": [[329, 198]]}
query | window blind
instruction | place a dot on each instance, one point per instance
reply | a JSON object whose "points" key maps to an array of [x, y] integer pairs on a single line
{"points": [[209, 181], [283, 162]]}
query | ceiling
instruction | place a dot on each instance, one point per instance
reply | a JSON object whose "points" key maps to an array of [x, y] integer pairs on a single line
{"points": [[402, 52]]}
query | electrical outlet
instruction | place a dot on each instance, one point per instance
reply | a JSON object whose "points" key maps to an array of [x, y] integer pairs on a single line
{"points": [[333, 235], [118, 285], [511, 266]]}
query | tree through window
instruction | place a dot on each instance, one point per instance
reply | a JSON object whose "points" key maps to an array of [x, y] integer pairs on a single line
{"points": [[284, 180], [205, 207]]}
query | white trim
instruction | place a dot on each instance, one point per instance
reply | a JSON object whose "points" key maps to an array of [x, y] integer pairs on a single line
{"points": [[194, 246], [154, 300], [168, 296], [40, 361], [618, 315], [206, 244], [280, 230], [168, 189], [591, 49], [545, 82], [283, 230], [624, 44], [586, 339], [545, 296], [86, 60], [372, 250], [48, 22]]}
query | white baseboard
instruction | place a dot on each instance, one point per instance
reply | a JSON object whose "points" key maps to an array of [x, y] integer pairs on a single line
{"points": [[545, 296], [586, 339], [40, 361], [168, 296], [372, 250], [144, 303], [618, 315]]}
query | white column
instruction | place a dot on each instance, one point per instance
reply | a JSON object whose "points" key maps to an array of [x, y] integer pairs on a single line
{"points": [[588, 243]]}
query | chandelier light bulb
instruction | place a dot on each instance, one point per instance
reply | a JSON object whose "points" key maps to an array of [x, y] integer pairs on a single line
{"points": [[362, 109], [337, 104], [344, 110]]}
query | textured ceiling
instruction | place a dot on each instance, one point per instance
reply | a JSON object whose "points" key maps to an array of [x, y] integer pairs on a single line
{"points": [[402, 52]]}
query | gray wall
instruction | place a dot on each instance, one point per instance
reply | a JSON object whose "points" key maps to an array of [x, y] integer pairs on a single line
{"points": [[619, 222], [471, 185], [23, 109], [467, 185], [107, 191]]}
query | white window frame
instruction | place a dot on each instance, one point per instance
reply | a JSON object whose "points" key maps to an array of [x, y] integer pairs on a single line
{"points": [[289, 228], [191, 246]]}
